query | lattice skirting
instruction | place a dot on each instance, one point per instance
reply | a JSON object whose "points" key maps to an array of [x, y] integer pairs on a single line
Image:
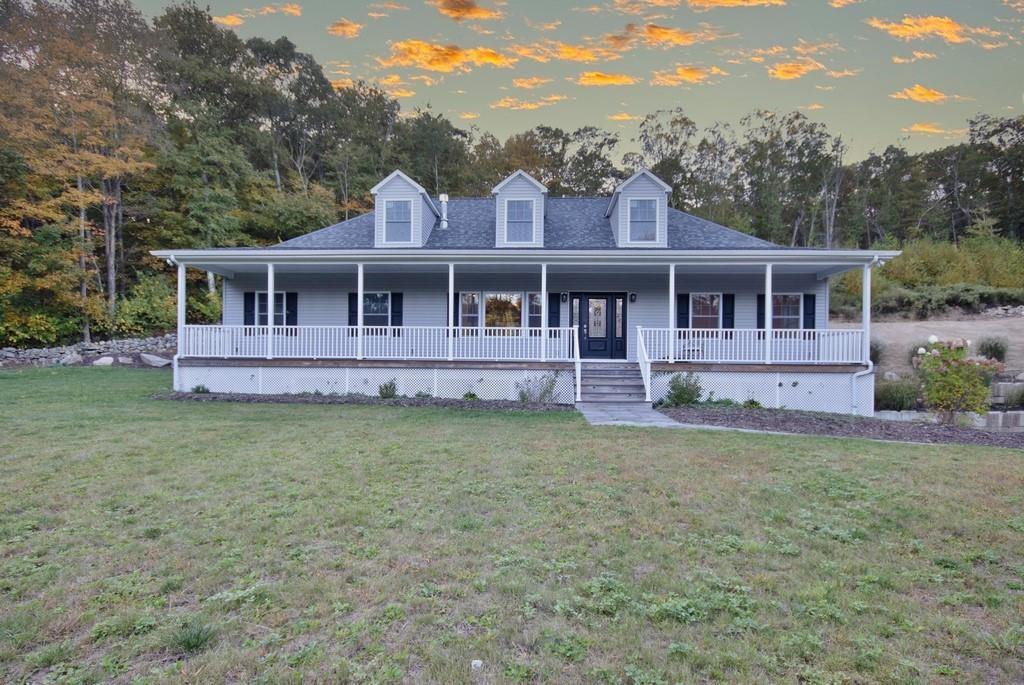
{"points": [[837, 393], [553, 385]]}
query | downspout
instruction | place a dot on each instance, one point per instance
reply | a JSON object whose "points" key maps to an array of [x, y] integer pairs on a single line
{"points": [[870, 369]]}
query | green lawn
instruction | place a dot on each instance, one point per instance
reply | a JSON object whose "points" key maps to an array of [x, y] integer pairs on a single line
{"points": [[156, 541]]}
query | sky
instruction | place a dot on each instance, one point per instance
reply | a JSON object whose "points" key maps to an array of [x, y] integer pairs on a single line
{"points": [[875, 71]]}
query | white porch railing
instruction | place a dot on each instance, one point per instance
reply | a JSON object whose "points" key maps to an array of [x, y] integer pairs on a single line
{"points": [[750, 346], [379, 342]]}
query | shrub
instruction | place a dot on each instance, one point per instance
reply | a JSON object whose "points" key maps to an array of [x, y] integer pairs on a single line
{"points": [[150, 307], [683, 389], [1015, 398], [875, 352], [200, 389], [993, 348], [470, 395], [388, 390], [538, 389], [953, 382], [896, 395], [751, 404]]}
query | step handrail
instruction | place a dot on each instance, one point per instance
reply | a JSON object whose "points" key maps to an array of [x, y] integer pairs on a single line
{"points": [[644, 361]]}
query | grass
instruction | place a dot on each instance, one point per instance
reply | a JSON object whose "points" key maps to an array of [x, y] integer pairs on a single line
{"points": [[152, 541]]}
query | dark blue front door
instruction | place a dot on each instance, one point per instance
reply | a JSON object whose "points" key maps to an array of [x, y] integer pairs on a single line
{"points": [[601, 318]]}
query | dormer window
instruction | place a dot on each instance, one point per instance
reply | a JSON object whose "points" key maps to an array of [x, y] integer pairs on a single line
{"points": [[519, 221], [643, 220], [398, 221]]}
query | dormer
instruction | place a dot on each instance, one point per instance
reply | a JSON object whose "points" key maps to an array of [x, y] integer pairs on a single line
{"points": [[404, 214], [519, 211], [638, 211]]}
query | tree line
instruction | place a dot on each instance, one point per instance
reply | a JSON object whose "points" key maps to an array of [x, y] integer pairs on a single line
{"points": [[119, 135]]}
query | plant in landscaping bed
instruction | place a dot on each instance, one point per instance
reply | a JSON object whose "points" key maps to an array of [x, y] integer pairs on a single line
{"points": [[470, 396], [897, 395], [388, 390], [953, 381], [993, 348], [875, 353], [538, 389], [1015, 399], [683, 389], [200, 389]]}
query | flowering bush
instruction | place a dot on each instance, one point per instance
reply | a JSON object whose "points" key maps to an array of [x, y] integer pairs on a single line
{"points": [[954, 381]]}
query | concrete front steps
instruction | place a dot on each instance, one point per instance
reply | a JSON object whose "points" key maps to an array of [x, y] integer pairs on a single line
{"points": [[611, 382]]}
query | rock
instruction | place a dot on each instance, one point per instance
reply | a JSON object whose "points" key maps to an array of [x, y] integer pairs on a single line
{"points": [[1020, 376], [104, 361], [476, 664], [153, 360], [70, 359], [891, 376], [125, 360]]}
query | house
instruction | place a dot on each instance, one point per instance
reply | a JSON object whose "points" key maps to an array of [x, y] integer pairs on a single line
{"points": [[574, 298]]}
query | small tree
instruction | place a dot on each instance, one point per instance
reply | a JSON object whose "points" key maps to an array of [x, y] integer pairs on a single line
{"points": [[953, 381]]}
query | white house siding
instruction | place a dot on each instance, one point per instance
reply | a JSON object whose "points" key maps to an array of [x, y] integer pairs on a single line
{"points": [[323, 297], [519, 189], [641, 187]]}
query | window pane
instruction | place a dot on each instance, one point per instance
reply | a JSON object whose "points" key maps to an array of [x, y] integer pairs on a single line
{"points": [[469, 309], [398, 214], [261, 309], [575, 311], [597, 321], [536, 311], [376, 309], [519, 221], [619, 304], [520, 210], [786, 311], [704, 310], [643, 225], [503, 310]]}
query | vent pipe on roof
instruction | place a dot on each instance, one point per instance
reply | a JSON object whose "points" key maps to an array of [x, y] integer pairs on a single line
{"points": [[443, 198]]}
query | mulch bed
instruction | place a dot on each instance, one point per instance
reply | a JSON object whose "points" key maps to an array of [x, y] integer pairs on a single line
{"points": [[487, 405], [837, 425]]}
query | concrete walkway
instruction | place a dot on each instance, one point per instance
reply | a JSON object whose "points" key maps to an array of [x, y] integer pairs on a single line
{"points": [[624, 414]]}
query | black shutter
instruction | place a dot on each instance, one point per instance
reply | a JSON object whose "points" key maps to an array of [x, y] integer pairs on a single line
{"points": [[396, 309], [760, 310], [810, 299], [728, 310], [454, 311], [682, 310], [554, 310], [353, 309], [291, 309], [249, 309]]}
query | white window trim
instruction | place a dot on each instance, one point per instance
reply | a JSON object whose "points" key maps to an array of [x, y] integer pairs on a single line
{"points": [[629, 221], [533, 221], [721, 306], [284, 306], [376, 292], [384, 228], [524, 322], [771, 311]]}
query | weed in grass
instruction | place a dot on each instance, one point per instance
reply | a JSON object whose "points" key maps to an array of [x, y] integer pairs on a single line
{"points": [[152, 533], [570, 647], [192, 635], [123, 626], [519, 673], [637, 675], [50, 655], [801, 645], [310, 654]]}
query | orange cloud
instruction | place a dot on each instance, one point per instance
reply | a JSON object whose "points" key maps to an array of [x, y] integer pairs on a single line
{"points": [[805, 48], [700, 5], [931, 128], [787, 71], [843, 73], [345, 28], [622, 116], [600, 78], [464, 9], [919, 28], [844, 3], [290, 8], [340, 83], [517, 104], [548, 26], [469, 115], [548, 50], [813, 107], [685, 74], [916, 56], [442, 58], [657, 36], [229, 20], [530, 83], [920, 93]]}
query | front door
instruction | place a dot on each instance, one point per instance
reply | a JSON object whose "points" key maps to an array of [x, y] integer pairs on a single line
{"points": [[601, 318]]}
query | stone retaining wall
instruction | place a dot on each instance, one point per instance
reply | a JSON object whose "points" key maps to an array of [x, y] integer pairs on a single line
{"points": [[1008, 421], [79, 352]]}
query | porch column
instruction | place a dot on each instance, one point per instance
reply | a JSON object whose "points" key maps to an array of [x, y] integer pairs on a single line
{"points": [[451, 312], [359, 311], [270, 311], [671, 313], [543, 312], [767, 313], [181, 309], [865, 313]]}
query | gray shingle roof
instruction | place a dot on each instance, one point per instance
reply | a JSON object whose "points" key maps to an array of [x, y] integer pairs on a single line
{"points": [[570, 223]]}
